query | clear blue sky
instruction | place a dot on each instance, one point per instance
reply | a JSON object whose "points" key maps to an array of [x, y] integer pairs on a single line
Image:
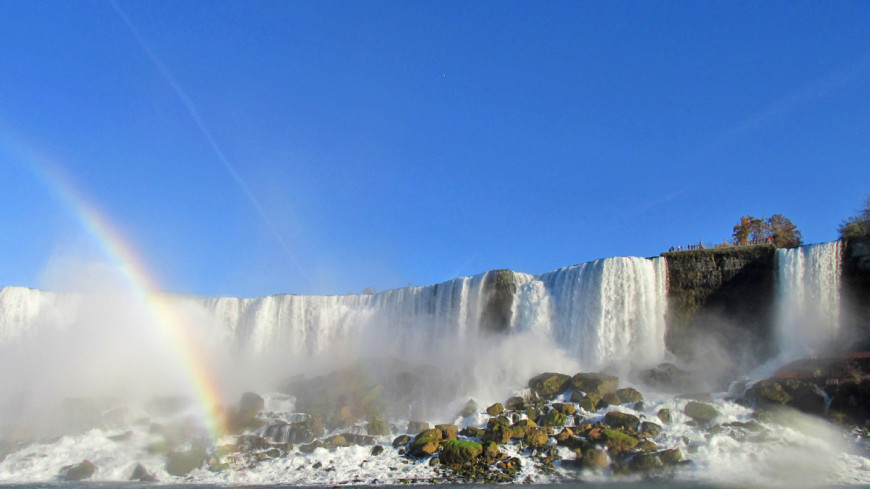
{"points": [[387, 143]]}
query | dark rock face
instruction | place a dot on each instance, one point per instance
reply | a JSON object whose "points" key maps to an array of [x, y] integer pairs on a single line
{"points": [[722, 295], [500, 287], [856, 281], [617, 420]]}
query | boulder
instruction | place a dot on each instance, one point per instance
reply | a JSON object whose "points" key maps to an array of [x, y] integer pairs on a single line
{"points": [[536, 437], [598, 383], [495, 409], [670, 457], [401, 441], [642, 462], [647, 446], [629, 395], [469, 409], [516, 403], [472, 432], [553, 418], [618, 420], [460, 452], [618, 441], [609, 399], [80, 471], [433, 433], [565, 408], [700, 412], [549, 384], [650, 428], [664, 415], [425, 446], [446, 427], [376, 450]]}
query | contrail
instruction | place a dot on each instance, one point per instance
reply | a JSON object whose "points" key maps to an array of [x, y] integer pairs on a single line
{"points": [[191, 109]]}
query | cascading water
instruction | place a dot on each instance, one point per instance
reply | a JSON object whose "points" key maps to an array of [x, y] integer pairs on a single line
{"points": [[808, 299], [606, 312]]}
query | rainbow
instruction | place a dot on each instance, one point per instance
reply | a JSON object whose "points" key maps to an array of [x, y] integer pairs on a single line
{"points": [[123, 257]]}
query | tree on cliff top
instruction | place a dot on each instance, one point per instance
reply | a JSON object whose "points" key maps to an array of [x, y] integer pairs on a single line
{"points": [[778, 230], [857, 225]]}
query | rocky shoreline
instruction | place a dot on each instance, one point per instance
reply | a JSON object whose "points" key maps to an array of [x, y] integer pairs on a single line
{"points": [[562, 427]]}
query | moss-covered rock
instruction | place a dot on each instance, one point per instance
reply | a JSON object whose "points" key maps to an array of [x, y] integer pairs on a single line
{"points": [[495, 409], [618, 420], [595, 382], [536, 437], [671, 457], [550, 384], [376, 450], [609, 399], [425, 446], [629, 395], [618, 441], [460, 452], [565, 408], [650, 428], [700, 412], [553, 418], [401, 441], [432, 433], [647, 446], [664, 415], [593, 459], [472, 432], [642, 462]]}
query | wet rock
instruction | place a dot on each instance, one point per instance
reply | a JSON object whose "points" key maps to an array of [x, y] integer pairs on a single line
{"points": [[516, 403], [618, 420], [642, 462], [650, 428], [446, 427], [460, 452], [433, 433], [141, 474], [536, 437], [700, 412], [664, 415], [647, 446], [553, 418], [768, 393], [472, 432], [628, 395], [401, 441], [549, 384], [567, 409], [376, 450], [80, 471], [469, 409], [491, 452], [181, 463], [618, 441], [670, 457], [609, 399], [495, 409], [425, 446], [598, 383], [335, 441], [589, 402]]}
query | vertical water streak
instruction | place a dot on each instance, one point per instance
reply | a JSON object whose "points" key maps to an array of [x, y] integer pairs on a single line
{"points": [[808, 298], [607, 312]]}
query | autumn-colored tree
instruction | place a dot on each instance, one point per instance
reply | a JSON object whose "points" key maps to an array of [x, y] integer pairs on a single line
{"points": [[778, 230], [857, 225]]}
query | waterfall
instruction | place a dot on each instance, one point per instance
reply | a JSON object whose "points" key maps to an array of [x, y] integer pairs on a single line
{"points": [[808, 298], [609, 312], [602, 313]]}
